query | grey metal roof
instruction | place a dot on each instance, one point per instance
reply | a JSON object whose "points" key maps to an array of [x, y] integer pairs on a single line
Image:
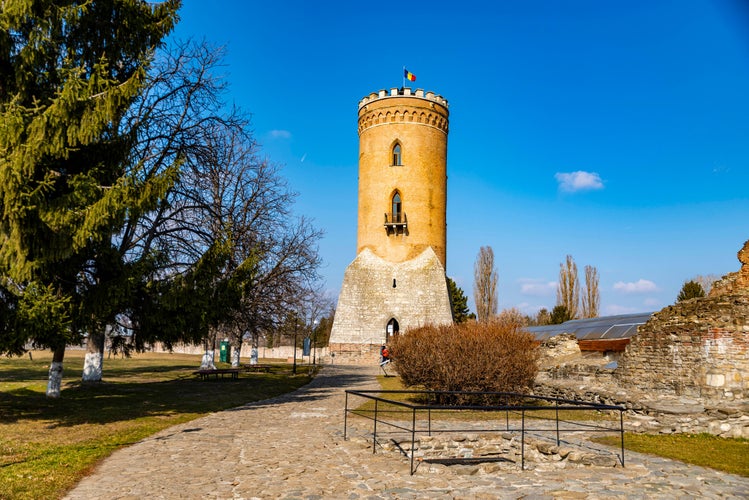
{"points": [[606, 327]]}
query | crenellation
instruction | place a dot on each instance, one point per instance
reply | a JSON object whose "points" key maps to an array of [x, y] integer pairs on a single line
{"points": [[403, 92]]}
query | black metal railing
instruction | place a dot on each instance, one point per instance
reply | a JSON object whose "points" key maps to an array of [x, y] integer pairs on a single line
{"points": [[396, 222], [507, 403]]}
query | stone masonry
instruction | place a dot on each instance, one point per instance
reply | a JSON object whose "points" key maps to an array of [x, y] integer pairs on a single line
{"points": [[374, 290], [686, 370], [698, 347]]}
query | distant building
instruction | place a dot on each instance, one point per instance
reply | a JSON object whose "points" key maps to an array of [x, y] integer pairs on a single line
{"points": [[397, 279]]}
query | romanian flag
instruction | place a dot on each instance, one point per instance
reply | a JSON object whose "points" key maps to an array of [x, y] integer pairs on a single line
{"points": [[409, 76]]}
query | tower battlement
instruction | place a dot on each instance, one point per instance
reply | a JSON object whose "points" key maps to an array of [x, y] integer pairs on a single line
{"points": [[402, 105], [403, 92]]}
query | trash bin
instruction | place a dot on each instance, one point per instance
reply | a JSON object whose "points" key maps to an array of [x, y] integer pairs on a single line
{"points": [[224, 352]]}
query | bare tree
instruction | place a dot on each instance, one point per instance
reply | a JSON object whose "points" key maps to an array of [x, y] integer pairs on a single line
{"points": [[568, 289], [706, 281], [512, 316], [169, 126], [485, 285], [591, 298], [221, 254]]}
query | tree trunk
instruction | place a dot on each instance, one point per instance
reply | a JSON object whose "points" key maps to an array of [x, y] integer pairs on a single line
{"points": [[54, 381], [207, 362], [94, 361], [236, 352]]}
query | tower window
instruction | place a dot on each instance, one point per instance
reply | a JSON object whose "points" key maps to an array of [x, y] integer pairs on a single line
{"points": [[397, 207], [395, 221], [397, 157]]}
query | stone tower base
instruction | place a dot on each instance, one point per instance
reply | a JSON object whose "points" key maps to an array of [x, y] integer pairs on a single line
{"points": [[375, 291]]}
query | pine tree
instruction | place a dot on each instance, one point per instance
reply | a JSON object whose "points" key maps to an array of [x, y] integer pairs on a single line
{"points": [[690, 290], [458, 302], [559, 315], [70, 70]]}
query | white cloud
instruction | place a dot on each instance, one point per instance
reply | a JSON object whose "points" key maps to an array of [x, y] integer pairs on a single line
{"points": [[537, 288], [578, 181], [640, 286], [280, 134], [614, 309]]}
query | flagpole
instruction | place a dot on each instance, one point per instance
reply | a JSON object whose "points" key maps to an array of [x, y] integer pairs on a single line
{"points": [[403, 75]]}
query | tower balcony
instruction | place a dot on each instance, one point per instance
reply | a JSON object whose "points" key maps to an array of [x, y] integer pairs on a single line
{"points": [[396, 223]]}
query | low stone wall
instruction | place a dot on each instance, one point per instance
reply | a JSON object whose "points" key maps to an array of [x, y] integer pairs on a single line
{"points": [[650, 412], [355, 354], [492, 452], [282, 352]]}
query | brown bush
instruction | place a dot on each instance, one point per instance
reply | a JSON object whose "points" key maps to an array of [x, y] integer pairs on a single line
{"points": [[498, 356]]}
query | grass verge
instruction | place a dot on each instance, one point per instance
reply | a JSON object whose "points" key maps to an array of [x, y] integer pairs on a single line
{"points": [[48, 445], [391, 383], [706, 450]]}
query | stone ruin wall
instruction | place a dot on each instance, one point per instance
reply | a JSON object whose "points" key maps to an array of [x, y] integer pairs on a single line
{"points": [[698, 347], [695, 348], [686, 370]]}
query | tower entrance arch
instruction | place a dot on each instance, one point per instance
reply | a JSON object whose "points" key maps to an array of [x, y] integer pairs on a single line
{"points": [[392, 330]]}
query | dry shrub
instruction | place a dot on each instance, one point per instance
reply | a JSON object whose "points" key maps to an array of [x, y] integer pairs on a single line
{"points": [[498, 356]]}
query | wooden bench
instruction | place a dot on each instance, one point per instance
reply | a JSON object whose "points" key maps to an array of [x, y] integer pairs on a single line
{"points": [[205, 374], [258, 368]]}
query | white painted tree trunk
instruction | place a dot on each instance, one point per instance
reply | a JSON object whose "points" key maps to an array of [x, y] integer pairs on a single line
{"points": [[93, 365], [235, 353], [54, 382], [207, 362]]}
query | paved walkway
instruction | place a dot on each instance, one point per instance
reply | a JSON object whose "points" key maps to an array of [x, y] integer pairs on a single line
{"points": [[292, 447]]}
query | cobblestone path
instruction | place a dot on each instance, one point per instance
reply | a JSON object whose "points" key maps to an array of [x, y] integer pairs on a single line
{"points": [[292, 447]]}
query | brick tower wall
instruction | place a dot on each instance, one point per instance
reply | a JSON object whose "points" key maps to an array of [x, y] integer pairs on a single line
{"points": [[419, 122]]}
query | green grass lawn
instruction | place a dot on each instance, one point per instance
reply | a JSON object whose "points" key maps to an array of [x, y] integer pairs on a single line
{"points": [[706, 450], [48, 445]]}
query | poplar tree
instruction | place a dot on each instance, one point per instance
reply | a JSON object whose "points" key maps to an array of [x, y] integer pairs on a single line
{"points": [[69, 71], [485, 285], [568, 288], [591, 298]]}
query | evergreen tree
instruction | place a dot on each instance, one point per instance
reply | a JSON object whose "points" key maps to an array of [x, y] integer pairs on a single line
{"points": [[70, 71], [690, 290], [458, 302], [559, 315]]}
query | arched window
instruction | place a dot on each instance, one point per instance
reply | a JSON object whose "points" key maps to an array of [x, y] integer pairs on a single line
{"points": [[397, 207], [397, 159]]}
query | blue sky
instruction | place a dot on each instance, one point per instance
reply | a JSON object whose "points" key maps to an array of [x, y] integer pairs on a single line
{"points": [[616, 131]]}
